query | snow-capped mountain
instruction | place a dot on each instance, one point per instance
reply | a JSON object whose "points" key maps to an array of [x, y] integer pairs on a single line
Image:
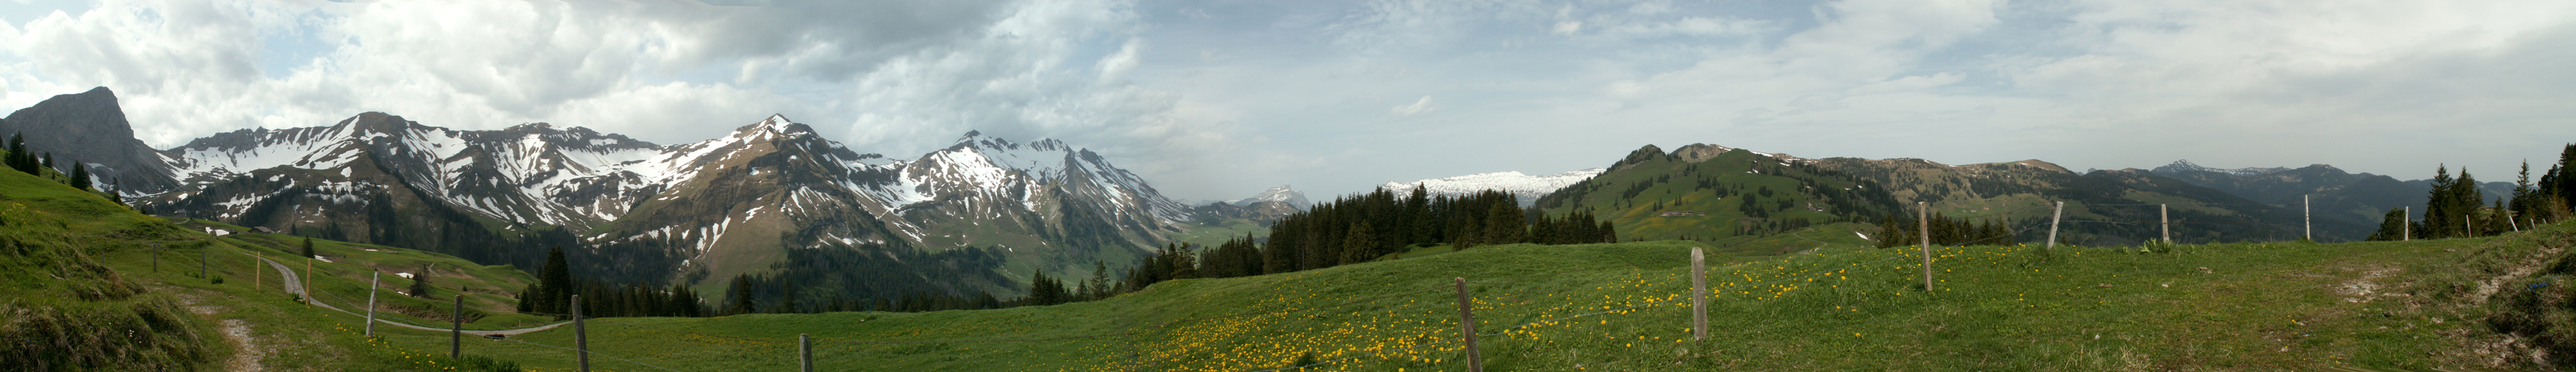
{"points": [[2179, 166], [1527, 187], [717, 207], [1281, 194]]}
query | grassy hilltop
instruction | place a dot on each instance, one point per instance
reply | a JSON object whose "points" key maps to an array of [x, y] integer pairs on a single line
{"points": [[83, 292]]}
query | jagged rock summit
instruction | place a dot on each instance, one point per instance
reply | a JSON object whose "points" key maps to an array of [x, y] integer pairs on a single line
{"points": [[90, 128], [696, 211]]}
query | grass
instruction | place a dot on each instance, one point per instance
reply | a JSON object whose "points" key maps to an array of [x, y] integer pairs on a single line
{"points": [[1217, 233], [1829, 305], [2261, 306], [84, 293]]}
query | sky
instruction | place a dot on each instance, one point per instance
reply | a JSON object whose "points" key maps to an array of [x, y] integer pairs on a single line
{"points": [[1220, 99]]}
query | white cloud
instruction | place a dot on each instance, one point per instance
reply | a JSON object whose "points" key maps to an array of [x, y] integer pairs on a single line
{"points": [[1420, 106]]}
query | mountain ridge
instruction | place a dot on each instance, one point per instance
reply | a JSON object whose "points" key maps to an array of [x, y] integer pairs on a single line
{"points": [[693, 212]]}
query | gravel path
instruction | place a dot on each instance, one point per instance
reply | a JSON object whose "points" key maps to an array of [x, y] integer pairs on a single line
{"points": [[297, 287]]}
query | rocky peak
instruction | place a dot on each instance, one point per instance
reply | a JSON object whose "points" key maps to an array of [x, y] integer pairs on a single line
{"points": [[1699, 152], [90, 128], [371, 122]]}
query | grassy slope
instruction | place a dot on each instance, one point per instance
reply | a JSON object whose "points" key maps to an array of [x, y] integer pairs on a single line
{"points": [[1216, 234], [2259, 306], [87, 243], [1641, 217]]}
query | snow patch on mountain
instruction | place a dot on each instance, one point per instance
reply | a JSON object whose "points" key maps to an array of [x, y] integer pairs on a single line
{"points": [[2187, 165], [1527, 187], [1281, 194]]}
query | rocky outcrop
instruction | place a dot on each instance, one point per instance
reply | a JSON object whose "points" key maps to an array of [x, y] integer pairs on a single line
{"points": [[90, 128]]}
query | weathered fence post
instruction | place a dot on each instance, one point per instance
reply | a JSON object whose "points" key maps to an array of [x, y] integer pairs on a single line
{"points": [[805, 352], [2307, 219], [308, 281], [1923, 228], [1467, 327], [2406, 225], [580, 336], [256, 259], [456, 329], [2053, 219], [1699, 296], [2165, 220], [372, 281]]}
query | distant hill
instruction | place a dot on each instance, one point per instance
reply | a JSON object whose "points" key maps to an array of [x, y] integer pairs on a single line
{"points": [[2337, 195], [1709, 190]]}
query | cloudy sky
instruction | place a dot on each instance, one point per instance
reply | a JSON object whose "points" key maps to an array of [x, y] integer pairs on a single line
{"points": [[1220, 99]]}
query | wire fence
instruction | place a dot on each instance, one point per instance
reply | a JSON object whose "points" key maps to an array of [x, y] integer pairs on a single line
{"points": [[1136, 336]]}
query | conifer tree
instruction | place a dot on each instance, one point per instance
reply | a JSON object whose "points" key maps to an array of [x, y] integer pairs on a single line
{"points": [[1360, 245], [308, 248], [1503, 225], [554, 284], [740, 296], [80, 176], [787, 303]]}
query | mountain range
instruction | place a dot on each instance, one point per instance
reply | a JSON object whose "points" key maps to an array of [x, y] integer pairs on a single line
{"points": [[627, 209], [983, 213], [1527, 187], [2337, 195]]}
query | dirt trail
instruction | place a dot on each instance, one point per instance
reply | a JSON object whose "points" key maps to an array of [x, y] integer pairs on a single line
{"points": [[246, 350]]}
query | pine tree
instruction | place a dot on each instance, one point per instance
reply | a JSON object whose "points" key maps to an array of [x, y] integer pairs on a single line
{"points": [[80, 176], [554, 284], [787, 303], [1503, 225], [22, 159], [308, 248], [740, 294], [1360, 245]]}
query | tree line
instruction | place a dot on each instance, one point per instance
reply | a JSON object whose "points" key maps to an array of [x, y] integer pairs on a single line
{"points": [[23, 160], [2457, 208], [553, 292], [1904, 230], [1351, 229]]}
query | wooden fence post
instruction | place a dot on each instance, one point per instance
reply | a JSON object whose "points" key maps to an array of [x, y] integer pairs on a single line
{"points": [[2165, 220], [258, 258], [805, 352], [2406, 225], [2053, 219], [1467, 327], [373, 281], [456, 329], [308, 281], [580, 336], [2307, 219], [1923, 228], [1699, 296]]}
